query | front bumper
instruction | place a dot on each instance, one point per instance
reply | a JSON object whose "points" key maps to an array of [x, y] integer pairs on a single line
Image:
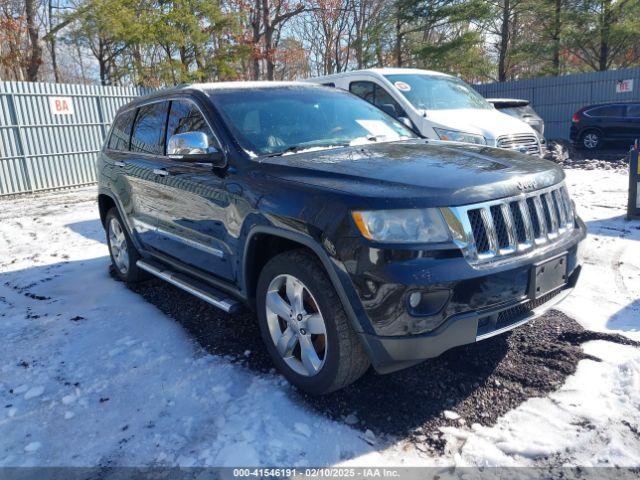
{"points": [[390, 354], [480, 303]]}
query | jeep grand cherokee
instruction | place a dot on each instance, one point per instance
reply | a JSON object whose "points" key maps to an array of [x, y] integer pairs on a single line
{"points": [[355, 242]]}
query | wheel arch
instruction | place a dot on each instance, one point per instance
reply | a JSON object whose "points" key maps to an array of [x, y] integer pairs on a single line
{"points": [[588, 129], [253, 263], [106, 201]]}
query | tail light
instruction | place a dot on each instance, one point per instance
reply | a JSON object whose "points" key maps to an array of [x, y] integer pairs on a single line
{"points": [[575, 118]]}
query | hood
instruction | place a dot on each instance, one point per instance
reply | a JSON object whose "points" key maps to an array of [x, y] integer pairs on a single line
{"points": [[490, 123], [427, 172]]}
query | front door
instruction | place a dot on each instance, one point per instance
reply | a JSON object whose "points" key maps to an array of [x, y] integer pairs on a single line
{"points": [[195, 212]]}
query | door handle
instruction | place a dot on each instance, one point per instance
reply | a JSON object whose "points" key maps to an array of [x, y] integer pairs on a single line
{"points": [[119, 164], [159, 171]]}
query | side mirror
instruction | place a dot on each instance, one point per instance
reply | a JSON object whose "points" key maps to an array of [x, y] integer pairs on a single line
{"points": [[194, 147], [389, 109]]}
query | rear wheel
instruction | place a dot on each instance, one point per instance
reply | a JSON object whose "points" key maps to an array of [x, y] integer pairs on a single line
{"points": [[305, 327], [122, 251], [591, 140]]}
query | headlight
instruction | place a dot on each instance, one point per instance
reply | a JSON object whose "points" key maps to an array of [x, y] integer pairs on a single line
{"points": [[456, 136], [402, 226]]}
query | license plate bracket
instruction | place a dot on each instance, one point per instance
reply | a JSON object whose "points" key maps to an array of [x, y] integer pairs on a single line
{"points": [[548, 276]]}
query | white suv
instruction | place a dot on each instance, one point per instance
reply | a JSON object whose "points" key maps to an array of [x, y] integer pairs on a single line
{"points": [[437, 106]]}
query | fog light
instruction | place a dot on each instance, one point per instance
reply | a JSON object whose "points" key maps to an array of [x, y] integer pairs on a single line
{"points": [[414, 299], [427, 303]]}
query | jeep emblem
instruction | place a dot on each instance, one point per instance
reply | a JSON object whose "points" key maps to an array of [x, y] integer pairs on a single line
{"points": [[527, 184]]}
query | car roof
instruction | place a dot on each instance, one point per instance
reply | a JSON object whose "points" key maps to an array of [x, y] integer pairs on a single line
{"points": [[214, 86], [381, 71], [604, 104]]}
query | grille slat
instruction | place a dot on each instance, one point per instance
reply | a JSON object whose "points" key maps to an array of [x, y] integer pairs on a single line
{"points": [[501, 228], [525, 142]]}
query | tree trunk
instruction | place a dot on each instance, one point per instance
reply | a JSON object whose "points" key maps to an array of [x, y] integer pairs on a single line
{"points": [[557, 29], [52, 45], [268, 38], [35, 60], [504, 41], [255, 28], [605, 25], [398, 46]]}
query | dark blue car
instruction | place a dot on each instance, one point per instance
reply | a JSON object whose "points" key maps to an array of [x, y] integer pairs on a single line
{"points": [[608, 123]]}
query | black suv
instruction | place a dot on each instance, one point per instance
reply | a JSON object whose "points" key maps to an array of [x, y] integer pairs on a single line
{"points": [[614, 123], [355, 242]]}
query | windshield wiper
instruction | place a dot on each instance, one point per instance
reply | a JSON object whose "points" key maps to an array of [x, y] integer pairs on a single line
{"points": [[301, 148], [292, 149]]}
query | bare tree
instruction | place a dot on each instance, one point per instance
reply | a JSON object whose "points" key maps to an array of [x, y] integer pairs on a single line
{"points": [[35, 57]]}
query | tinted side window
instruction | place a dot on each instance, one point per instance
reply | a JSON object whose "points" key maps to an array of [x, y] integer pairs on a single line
{"points": [[121, 131], [148, 131], [364, 90], [633, 110], [607, 111], [184, 116]]}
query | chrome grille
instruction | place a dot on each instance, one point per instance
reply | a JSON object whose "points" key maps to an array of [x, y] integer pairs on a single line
{"points": [[502, 228], [524, 142]]}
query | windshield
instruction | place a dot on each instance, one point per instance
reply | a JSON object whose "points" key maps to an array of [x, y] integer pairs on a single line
{"points": [[432, 92], [269, 121]]}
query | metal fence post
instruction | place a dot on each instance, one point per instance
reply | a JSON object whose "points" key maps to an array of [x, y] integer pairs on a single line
{"points": [[633, 206]]}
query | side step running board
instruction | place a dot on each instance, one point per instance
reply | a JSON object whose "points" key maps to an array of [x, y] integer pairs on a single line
{"points": [[194, 287]]}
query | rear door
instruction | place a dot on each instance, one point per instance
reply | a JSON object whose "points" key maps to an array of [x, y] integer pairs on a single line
{"points": [[145, 163]]}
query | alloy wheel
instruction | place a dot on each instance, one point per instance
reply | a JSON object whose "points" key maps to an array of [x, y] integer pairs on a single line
{"points": [[296, 325], [590, 140], [118, 246]]}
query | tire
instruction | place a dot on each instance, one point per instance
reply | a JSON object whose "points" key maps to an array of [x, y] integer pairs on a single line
{"points": [[121, 249], [591, 140], [340, 356]]}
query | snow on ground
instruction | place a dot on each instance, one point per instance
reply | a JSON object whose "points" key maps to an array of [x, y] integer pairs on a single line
{"points": [[92, 374], [607, 297]]}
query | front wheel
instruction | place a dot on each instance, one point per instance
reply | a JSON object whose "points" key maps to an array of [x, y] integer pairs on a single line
{"points": [[305, 327]]}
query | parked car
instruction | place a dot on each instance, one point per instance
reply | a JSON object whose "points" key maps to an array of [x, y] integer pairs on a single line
{"points": [[521, 109], [614, 123], [355, 241], [437, 106]]}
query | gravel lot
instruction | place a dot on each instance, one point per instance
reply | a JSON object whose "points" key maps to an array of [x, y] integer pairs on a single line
{"points": [[478, 382]]}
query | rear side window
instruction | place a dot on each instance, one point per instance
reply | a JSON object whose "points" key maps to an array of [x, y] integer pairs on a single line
{"points": [[148, 131], [606, 111], [184, 116], [633, 110], [121, 131]]}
